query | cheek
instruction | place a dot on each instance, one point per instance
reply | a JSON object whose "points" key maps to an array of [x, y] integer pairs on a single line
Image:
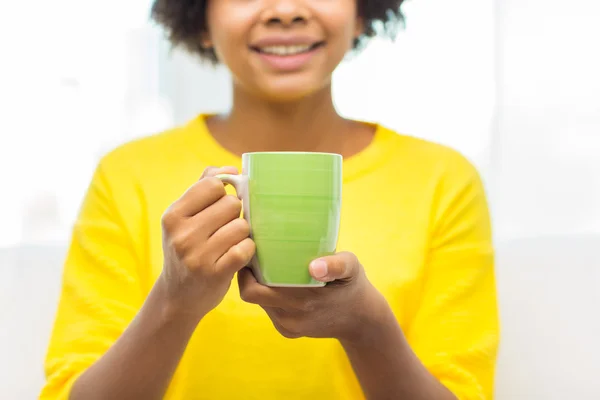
{"points": [[341, 26], [223, 42], [229, 28], [229, 46]]}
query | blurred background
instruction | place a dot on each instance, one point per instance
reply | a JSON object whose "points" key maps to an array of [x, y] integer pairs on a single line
{"points": [[514, 85]]}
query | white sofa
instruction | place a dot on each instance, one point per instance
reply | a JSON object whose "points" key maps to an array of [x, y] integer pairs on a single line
{"points": [[549, 290]]}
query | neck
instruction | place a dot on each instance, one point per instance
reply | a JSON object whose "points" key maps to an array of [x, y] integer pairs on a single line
{"points": [[310, 124]]}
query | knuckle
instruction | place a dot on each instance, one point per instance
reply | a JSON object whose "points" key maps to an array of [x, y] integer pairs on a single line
{"points": [[233, 203], [251, 247], [238, 255], [169, 219], [352, 258], [347, 258], [213, 185], [247, 295], [182, 241], [209, 171], [194, 261], [242, 226]]}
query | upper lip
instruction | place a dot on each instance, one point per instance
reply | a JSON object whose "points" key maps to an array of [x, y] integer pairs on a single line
{"points": [[285, 41]]}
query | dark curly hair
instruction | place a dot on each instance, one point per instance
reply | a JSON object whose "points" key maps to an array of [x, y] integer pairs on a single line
{"points": [[184, 21]]}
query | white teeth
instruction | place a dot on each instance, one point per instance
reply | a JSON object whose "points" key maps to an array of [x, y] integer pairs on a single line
{"points": [[286, 50]]}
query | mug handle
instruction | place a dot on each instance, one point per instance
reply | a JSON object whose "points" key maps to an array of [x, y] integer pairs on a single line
{"points": [[239, 182]]}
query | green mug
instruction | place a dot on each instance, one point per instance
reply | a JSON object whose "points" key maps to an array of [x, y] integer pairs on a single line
{"points": [[292, 203]]}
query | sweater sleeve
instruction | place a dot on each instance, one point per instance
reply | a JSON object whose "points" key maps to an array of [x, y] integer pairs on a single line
{"points": [[101, 291], [455, 332]]}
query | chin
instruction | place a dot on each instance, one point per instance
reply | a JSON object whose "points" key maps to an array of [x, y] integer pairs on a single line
{"points": [[291, 91], [288, 95]]}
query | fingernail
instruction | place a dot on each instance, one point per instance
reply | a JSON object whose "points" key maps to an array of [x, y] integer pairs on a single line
{"points": [[319, 269]]}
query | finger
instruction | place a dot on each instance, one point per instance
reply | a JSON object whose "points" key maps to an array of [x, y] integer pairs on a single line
{"points": [[203, 193], [218, 214], [199, 196], [251, 291], [227, 236], [341, 266], [275, 314], [237, 257], [214, 171]]}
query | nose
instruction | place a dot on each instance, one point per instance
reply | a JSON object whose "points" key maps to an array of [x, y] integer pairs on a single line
{"points": [[285, 13]]}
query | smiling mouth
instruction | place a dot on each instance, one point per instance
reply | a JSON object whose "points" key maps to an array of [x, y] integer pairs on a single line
{"points": [[288, 50]]}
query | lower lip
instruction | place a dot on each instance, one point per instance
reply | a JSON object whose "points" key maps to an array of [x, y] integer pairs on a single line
{"points": [[289, 62]]}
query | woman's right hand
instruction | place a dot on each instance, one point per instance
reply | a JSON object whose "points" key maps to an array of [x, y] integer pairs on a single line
{"points": [[205, 242]]}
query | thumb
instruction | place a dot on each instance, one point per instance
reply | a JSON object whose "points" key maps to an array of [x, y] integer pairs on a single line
{"points": [[341, 266]]}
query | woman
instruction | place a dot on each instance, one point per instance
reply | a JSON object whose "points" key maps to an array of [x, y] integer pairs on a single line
{"points": [[150, 307]]}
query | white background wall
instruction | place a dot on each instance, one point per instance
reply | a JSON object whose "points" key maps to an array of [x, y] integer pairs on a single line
{"points": [[512, 84], [546, 143]]}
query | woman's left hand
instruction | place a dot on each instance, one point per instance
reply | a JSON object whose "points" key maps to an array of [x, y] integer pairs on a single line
{"points": [[344, 309]]}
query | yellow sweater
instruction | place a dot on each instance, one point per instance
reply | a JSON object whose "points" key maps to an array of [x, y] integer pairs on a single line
{"points": [[413, 212]]}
